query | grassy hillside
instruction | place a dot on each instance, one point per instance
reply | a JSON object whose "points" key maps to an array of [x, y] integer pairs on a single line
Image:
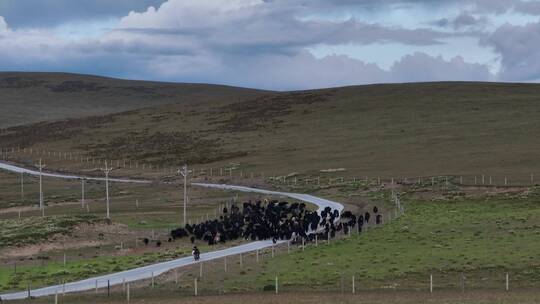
{"points": [[33, 97], [377, 130]]}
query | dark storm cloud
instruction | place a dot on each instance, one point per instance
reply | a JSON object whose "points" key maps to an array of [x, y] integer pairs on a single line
{"points": [[463, 21]]}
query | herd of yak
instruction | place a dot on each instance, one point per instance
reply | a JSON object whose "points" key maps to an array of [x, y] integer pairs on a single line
{"points": [[274, 221]]}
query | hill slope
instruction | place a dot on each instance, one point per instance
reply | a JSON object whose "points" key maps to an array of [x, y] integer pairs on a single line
{"points": [[33, 97], [377, 130]]}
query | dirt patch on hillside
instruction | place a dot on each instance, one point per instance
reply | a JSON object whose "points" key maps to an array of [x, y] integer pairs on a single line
{"points": [[31, 250], [82, 236]]}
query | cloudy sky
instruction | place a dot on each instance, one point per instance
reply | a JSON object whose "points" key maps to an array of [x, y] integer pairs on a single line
{"points": [[275, 44]]}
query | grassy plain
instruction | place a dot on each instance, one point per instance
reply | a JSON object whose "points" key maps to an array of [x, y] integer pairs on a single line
{"points": [[377, 297], [482, 238], [399, 130]]}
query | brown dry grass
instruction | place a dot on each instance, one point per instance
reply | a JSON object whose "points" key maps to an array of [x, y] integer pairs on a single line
{"points": [[395, 130]]}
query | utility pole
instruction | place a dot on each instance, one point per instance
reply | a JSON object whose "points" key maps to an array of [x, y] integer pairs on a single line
{"points": [[22, 186], [82, 192], [185, 172], [107, 170], [41, 205]]}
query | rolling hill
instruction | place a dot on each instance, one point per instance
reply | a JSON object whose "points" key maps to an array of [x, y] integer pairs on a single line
{"points": [[34, 97], [387, 130]]}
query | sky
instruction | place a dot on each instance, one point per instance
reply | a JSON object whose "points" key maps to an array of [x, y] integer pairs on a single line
{"points": [[275, 44]]}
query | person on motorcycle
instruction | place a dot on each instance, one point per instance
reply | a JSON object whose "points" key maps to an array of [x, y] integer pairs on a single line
{"points": [[196, 253]]}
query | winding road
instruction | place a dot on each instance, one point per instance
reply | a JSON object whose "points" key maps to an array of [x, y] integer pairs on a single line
{"points": [[149, 271]]}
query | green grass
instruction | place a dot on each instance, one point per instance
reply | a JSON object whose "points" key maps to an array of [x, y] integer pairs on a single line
{"points": [[54, 272], [48, 272], [168, 296], [482, 238], [33, 230]]}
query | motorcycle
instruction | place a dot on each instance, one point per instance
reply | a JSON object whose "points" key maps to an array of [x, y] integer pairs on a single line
{"points": [[196, 255]]}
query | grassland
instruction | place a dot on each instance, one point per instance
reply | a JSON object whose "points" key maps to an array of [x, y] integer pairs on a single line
{"points": [[159, 296], [155, 206], [484, 238], [468, 243], [35, 97], [45, 272], [32, 247], [18, 232], [394, 130], [401, 130]]}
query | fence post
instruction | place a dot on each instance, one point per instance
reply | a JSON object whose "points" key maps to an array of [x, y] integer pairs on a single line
{"points": [[153, 279], [127, 293], [257, 255], [353, 287], [431, 283], [462, 282], [288, 246], [176, 276], [277, 291], [96, 286], [507, 282], [56, 296], [201, 269], [195, 286]]}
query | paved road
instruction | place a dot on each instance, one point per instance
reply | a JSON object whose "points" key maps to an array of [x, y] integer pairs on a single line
{"points": [[147, 272], [12, 168]]}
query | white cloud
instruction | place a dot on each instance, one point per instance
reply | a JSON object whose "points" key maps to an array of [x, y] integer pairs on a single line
{"points": [[266, 44], [422, 67], [3, 25], [189, 14], [519, 48]]}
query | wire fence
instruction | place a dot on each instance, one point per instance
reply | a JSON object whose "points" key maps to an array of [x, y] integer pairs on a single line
{"points": [[221, 276], [248, 272], [78, 161]]}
